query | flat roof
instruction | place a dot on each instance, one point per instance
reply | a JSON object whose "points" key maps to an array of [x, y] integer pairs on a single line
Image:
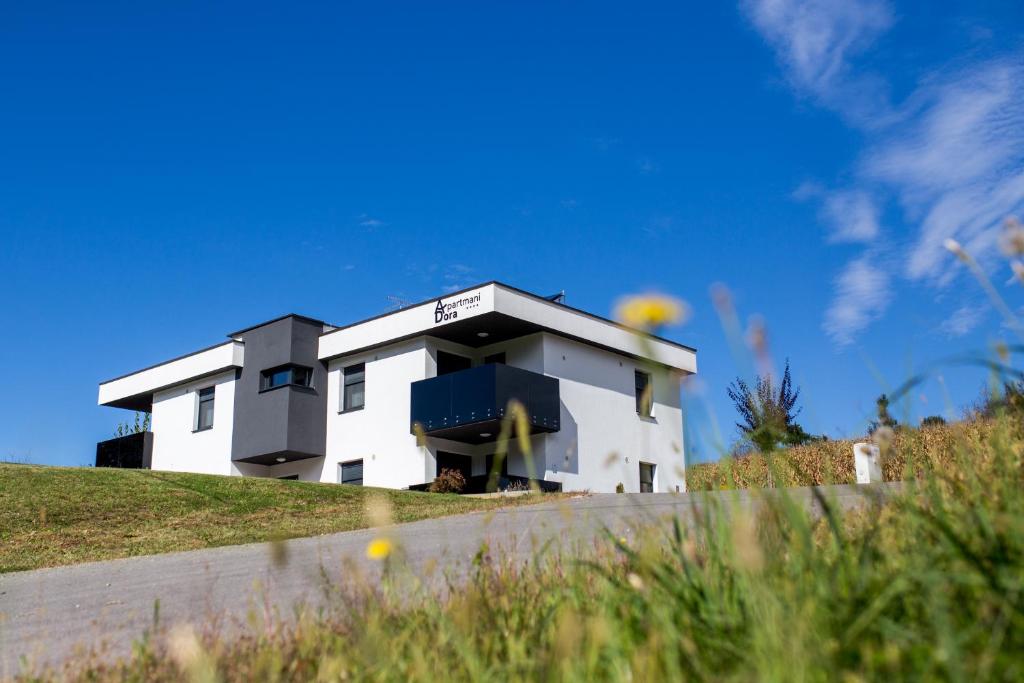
{"points": [[499, 312], [517, 290], [508, 311]]}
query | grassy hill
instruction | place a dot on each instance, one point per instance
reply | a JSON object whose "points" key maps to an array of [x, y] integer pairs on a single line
{"points": [[913, 451], [926, 586], [64, 515]]}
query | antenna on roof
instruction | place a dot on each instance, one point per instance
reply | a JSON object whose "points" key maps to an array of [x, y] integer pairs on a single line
{"points": [[397, 303], [557, 298]]}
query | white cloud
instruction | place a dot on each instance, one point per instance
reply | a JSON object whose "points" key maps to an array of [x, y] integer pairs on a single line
{"points": [[952, 153], [862, 295], [852, 216], [370, 222], [815, 40], [957, 164], [963, 320]]}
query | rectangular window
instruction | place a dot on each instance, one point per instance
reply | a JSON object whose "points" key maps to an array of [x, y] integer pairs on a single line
{"points": [[354, 388], [450, 362], [498, 358], [351, 473], [204, 408], [646, 477], [643, 393], [286, 375], [290, 477]]}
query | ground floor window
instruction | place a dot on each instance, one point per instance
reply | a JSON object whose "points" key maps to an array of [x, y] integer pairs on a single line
{"points": [[646, 477], [290, 477], [351, 472]]}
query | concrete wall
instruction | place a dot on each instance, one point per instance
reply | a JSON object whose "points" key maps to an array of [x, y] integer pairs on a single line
{"points": [[602, 440], [285, 419], [379, 433], [176, 447]]}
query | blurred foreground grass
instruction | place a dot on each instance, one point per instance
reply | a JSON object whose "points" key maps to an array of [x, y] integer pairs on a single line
{"points": [[929, 586], [64, 515]]}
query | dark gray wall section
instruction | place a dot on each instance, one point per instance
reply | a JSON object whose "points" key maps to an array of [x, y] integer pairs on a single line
{"points": [[287, 421]]}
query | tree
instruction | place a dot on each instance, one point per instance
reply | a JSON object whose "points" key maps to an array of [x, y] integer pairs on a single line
{"points": [[140, 425], [768, 413], [933, 421], [885, 418]]}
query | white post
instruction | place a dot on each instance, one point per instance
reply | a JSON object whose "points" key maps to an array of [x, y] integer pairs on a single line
{"points": [[867, 463]]}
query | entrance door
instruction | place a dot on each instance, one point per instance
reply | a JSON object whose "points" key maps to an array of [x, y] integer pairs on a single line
{"points": [[454, 461], [450, 362]]}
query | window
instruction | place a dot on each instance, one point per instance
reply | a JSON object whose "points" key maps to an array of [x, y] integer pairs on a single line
{"points": [[204, 408], [450, 362], [286, 375], [498, 358], [354, 389], [351, 473], [646, 477], [643, 394], [290, 477]]}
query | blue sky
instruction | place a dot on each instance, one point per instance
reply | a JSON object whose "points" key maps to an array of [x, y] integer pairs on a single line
{"points": [[169, 173]]}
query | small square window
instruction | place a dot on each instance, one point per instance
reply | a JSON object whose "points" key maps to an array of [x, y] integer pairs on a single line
{"points": [[354, 388], [286, 375], [351, 473]]}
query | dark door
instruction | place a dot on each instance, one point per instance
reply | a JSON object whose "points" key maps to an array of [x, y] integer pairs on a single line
{"points": [[454, 461], [449, 362]]}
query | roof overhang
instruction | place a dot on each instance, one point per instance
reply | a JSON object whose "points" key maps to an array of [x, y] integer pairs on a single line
{"points": [[502, 312], [135, 391]]}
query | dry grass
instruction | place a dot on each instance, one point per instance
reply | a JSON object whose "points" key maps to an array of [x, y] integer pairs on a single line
{"points": [[927, 587], [831, 462], [63, 515]]}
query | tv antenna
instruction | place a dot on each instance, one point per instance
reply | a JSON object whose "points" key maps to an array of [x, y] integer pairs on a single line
{"points": [[397, 303]]}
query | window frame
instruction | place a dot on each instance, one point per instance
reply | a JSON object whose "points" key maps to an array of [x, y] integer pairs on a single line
{"points": [[653, 469], [346, 382], [350, 463], [292, 369], [206, 394], [638, 391]]}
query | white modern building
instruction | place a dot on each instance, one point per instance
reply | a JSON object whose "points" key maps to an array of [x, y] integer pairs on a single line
{"points": [[393, 400]]}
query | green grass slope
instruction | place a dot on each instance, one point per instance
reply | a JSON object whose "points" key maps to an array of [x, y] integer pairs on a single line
{"points": [[62, 515]]}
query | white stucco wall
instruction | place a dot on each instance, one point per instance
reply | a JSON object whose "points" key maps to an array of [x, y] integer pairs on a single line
{"points": [[176, 447], [379, 433], [602, 440]]}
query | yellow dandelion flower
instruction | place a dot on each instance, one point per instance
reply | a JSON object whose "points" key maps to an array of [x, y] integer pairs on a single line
{"points": [[650, 311], [379, 549]]}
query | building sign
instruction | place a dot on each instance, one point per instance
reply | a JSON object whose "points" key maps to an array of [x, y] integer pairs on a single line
{"points": [[448, 310]]}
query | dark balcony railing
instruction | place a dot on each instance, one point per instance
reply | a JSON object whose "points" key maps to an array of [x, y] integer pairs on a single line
{"points": [[468, 405], [134, 451]]}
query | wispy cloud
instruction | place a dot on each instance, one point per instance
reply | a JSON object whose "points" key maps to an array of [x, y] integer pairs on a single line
{"points": [[957, 163], [647, 166], [815, 41], [852, 215], [458, 276], [952, 153], [370, 222], [963, 320], [862, 295]]}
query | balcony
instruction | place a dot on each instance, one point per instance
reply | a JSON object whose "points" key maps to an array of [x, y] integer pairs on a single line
{"points": [[468, 405], [134, 451]]}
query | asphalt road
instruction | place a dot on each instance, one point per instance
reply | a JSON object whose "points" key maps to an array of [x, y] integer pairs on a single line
{"points": [[49, 615]]}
